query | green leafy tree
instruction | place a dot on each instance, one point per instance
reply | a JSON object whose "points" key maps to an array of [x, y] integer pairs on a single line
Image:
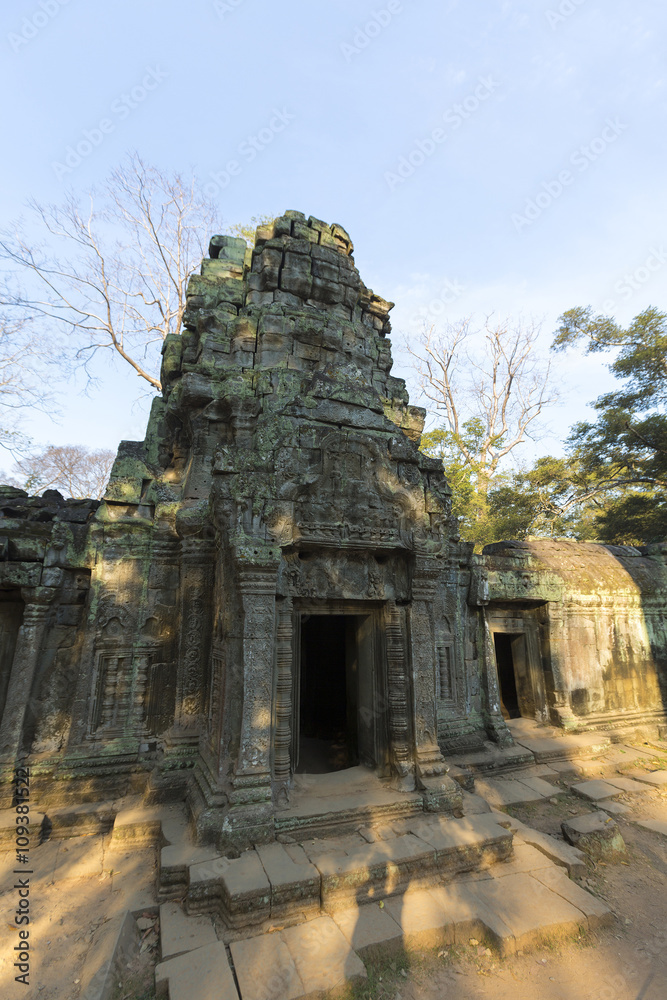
{"points": [[623, 454]]}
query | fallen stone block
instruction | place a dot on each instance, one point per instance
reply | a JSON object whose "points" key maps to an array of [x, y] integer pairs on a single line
{"points": [[203, 974], [539, 785], [180, 933], [616, 808], [596, 834]]}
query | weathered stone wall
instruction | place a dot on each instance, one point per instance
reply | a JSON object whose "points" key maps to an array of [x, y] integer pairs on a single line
{"points": [[600, 611]]}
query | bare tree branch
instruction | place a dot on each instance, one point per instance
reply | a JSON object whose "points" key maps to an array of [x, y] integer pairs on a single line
{"points": [[120, 282], [493, 376]]}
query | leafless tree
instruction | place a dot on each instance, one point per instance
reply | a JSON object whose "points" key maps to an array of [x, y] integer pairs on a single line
{"points": [[113, 273], [72, 469], [23, 382], [488, 384]]}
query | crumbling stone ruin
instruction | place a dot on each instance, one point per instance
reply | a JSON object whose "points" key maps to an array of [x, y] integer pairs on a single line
{"points": [[274, 583]]}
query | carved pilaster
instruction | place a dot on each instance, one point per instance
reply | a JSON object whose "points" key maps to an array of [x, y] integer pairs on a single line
{"points": [[398, 690], [195, 634], [257, 587], [26, 656], [284, 655]]}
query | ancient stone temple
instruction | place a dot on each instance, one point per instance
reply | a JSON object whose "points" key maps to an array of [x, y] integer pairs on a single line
{"points": [[273, 584]]}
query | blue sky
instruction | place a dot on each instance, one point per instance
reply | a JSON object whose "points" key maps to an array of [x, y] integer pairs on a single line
{"points": [[541, 188]]}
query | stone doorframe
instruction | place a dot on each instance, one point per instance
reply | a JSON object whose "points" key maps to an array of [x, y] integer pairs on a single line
{"points": [[387, 680], [534, 672]]}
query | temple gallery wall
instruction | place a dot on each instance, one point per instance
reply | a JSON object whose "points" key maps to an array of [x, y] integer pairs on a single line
{"points": [[274, 584]]}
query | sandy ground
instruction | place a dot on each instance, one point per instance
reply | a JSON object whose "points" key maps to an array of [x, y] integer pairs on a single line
{"points": [[76, 886]]}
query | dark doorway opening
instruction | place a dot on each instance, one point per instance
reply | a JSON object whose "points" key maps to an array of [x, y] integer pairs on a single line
{"points": [[506, 644], [11, 616], [328, 697]]}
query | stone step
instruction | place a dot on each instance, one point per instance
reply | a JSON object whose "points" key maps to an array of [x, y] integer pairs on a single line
{"points": [[276, 881], [80, 820], [500, 792], [332, 816], [566, 746], [493, 759], [599, 789], [8, 818], [513, 911]]}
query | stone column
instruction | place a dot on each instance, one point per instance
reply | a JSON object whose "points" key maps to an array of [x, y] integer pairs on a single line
{"points": [[251, 813], [24, 666], [441, 794]]}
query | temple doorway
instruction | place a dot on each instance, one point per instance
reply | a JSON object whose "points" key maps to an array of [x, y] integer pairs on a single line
{"points": [[510, 648], [335, 721]]}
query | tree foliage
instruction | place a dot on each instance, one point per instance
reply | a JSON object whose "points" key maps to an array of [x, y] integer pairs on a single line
{"points": [[624, 452]]}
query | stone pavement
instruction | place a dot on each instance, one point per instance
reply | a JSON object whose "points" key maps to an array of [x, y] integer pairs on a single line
{"points": [[514, 905]]}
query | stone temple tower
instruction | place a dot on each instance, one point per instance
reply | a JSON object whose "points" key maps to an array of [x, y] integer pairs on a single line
{"points": [[311, 534]]}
